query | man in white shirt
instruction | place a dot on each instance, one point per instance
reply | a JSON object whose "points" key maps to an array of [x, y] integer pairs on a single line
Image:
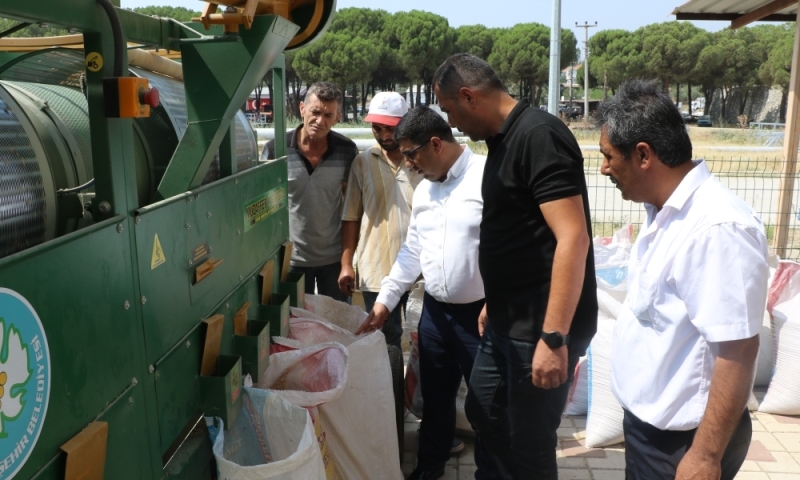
{"points": [[442, 245], [377, 209], [686, 338]]}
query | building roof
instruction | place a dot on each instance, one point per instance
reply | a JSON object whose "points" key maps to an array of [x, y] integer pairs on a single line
{"points": [[738, 12]]}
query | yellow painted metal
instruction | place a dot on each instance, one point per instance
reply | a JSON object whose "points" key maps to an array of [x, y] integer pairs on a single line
{"points": [[248, 8]]}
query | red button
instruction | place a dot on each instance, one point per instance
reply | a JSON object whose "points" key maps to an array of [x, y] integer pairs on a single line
{"points": [[150, 97]]}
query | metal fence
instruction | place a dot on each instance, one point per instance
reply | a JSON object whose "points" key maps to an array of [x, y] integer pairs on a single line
{"points": [[756, 180]]}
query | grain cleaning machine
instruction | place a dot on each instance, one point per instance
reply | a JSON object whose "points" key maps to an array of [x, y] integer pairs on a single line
{"points": [[142, 243]]}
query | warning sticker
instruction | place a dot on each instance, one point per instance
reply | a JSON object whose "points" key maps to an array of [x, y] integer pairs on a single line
{"points": [[158, 257], [261, 207], [94, 61]]}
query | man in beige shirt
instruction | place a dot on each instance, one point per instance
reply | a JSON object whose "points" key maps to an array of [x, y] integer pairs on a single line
{"points": [[377, 210]]}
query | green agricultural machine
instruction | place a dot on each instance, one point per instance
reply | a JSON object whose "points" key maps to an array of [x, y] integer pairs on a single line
{"points": [[142, 242]]}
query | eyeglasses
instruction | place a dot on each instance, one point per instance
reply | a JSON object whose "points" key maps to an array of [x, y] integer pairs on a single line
{"points": [[411, 154]]}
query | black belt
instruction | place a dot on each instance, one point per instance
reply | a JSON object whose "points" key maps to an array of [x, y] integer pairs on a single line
{"points": [[465, 306]]}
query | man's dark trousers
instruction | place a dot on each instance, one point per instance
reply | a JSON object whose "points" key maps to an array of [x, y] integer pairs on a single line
{"points": [[393, 326], [325, 279], [517, 421], [448, 340], [654, 454]]}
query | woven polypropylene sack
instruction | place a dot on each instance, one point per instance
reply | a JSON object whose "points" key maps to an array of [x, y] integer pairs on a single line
{"points": [[271, 439], [605, 415], [360, 424], [578, 399], [783, 394]]}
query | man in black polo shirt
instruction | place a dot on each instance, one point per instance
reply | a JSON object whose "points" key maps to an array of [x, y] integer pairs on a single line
{"points": [[537, 266], [319, 162]]}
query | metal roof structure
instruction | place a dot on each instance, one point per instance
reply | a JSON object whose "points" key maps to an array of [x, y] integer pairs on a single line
{"points": [[738, 12], [745, 12]]}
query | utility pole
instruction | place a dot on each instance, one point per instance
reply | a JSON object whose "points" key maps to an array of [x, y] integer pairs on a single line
{"points": [[571, 81], [586, 26], [554, 90]]}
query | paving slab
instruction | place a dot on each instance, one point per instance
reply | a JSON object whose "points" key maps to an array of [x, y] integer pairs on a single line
{"points": [[774, 452]]}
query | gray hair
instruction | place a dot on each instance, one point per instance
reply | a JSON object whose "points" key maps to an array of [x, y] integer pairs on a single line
{"points": [[465, 70], [325, 91], [641, 112]]}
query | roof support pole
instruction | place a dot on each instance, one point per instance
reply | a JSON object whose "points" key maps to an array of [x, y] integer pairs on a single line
{"points": [[790, 145]]}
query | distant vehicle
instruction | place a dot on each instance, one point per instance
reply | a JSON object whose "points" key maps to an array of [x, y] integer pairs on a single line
{"points": [[704, 121], [570, 112], [687, 117]]}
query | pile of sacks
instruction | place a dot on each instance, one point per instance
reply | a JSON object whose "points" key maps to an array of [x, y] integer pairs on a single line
{"points": [[323, 409], [778, 356]]}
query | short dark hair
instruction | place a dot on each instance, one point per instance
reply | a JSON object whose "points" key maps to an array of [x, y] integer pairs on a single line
{"points": [[465, 70], [325, 91], [641, 112], [422, 123]]}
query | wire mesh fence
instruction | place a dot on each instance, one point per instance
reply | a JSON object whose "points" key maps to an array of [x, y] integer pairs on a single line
{"points": [[756, 180]]}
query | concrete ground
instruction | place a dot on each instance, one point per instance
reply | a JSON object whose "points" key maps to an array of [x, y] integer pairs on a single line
{"points": [[774, 449], [774, 452]]}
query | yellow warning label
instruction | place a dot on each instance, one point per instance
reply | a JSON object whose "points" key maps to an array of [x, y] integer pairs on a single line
{"points": [[158, 257], [94, 61]]}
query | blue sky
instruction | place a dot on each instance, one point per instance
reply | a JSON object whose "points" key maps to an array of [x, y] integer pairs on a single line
{"points": [[625, 14]]}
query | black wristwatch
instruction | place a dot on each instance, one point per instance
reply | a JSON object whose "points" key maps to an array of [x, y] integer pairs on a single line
{"points": [[555, 339]]}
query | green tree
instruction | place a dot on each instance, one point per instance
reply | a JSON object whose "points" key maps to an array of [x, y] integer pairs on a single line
{"points": [[776, 69], [180, 14], [728, 62], [34, 30], [521, 56], [615, 55], [475, 39], [670, 50], [338, 58], [423, 41], [369, 25]]}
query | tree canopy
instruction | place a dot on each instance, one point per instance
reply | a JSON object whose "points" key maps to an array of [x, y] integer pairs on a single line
{"points": [[368, 49]]}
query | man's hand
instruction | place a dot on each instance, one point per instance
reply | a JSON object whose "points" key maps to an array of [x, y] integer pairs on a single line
{"points": [[347, 280], [549, 366], [375, 319], [696, 466], [483, 319]]}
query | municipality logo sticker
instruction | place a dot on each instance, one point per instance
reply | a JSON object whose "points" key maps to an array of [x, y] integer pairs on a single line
{"points": [[24, 381]]}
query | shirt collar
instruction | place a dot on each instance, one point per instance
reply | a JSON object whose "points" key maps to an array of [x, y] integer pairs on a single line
{"points": [[688, 185], [508, 123], [514, 115], [294, 137], [686, 188], [460, 166]]}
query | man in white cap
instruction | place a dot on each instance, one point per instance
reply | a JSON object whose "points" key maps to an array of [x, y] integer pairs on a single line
{"points": [[377, 209]]}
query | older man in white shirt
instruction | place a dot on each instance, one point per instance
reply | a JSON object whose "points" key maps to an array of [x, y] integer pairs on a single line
{"points": [[442, 245], [697, 286]]}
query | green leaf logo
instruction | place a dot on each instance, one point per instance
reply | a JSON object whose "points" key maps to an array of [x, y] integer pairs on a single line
{"points": [[14, 374]]}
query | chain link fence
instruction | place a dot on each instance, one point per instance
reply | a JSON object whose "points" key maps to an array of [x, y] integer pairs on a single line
{"points": [[756, 180]]}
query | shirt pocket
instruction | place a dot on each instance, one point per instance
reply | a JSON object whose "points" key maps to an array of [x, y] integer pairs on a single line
{"points": [[642, 297]]}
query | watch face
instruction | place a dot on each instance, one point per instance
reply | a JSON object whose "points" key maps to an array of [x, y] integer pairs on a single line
{"points": [[553, 339]]}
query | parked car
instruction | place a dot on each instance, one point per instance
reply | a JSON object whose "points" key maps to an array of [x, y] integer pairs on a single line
{"points": [[687, 117], [704, 121]]}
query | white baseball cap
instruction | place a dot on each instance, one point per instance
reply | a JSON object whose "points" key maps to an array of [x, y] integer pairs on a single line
{"points": [[387, 108]]}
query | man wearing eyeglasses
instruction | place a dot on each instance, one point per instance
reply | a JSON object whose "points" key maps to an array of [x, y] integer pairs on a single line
{"points": [[442, 245]]}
